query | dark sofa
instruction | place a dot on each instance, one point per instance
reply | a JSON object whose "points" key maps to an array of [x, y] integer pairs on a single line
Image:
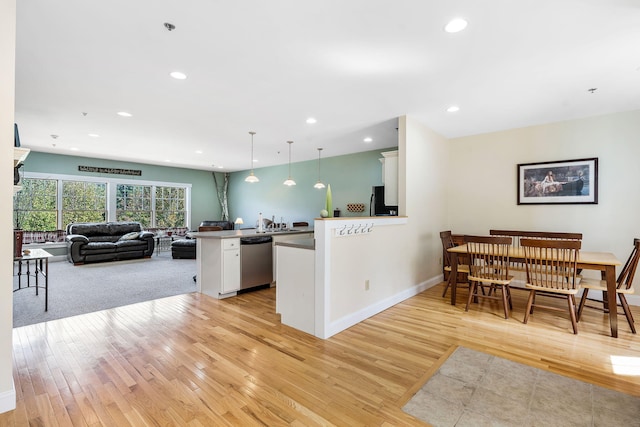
{"points": [[186, 248], [107, 241]]}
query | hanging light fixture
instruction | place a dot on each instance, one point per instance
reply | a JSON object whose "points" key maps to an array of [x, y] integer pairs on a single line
{"points": [[251, 178], [289, 181], [319, 185]]}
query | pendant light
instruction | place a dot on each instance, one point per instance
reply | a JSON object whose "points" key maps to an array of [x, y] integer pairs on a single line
{"points": [[289, 181], [251, 178], [319, 185]]}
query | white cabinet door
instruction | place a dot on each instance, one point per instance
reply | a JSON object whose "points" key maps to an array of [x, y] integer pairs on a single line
{"points": [[230, 270]]}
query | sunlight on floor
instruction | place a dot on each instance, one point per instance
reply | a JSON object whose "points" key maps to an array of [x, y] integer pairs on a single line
{"points": [[625, 365]]}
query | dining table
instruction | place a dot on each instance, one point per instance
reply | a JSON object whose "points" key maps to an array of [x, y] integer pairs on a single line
{"points": [[605, 262]]}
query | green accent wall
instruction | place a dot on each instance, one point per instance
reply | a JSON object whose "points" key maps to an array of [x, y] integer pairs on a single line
{"points": [[204, 203], [351, 177]]}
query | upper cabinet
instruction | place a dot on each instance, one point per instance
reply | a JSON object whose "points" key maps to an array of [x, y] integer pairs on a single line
{"points": [[19, 156], [390, 177]]}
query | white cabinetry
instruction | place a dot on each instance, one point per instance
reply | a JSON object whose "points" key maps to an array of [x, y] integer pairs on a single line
{"points": [[295, 292], [390, 177], [219, 266], [285, 238], [230, 265]]}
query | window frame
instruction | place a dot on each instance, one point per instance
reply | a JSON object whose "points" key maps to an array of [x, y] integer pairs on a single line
{"points": [[111, 192]]}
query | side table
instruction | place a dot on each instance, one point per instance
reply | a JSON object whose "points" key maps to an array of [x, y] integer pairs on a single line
{"points": [[163, 243], [34, 264]]}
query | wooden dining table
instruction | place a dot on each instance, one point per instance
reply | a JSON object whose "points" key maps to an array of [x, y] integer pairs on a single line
{"points": [[605, 262]]}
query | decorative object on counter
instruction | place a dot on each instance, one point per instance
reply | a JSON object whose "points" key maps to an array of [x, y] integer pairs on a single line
{"points": [[355, 207], [329, 204], [289, 182], [251, 178], [260, 223], [239, 221], [336, 212], [319, 185], [324, 213]]}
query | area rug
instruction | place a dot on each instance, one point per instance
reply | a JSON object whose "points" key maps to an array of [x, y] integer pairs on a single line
{"points": [[472, 388], [81, 289]]}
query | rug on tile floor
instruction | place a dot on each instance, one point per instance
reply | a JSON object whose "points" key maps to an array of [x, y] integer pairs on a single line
{"points": [[472, 388]]}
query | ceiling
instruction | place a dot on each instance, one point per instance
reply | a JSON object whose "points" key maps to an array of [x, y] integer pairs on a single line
{"points": [[353, 65]]}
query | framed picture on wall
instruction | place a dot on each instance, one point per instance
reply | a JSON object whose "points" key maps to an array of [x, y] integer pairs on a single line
{"points": [[558, 182]]}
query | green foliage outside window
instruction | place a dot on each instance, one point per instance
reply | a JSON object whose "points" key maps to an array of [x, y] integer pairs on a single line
{"points": [[83, 202], [170, 207], [133, 203], [35, 206]]}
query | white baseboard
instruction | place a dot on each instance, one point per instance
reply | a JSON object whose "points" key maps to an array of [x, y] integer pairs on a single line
{"points": [[8, 399], [357, 317]]}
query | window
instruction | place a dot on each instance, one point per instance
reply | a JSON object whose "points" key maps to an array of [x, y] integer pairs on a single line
{"points": [[170, 207], [83, 202], [36, 205], [49, 202], [133, 203]]}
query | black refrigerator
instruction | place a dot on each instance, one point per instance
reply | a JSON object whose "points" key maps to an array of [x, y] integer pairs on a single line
{"points": [[377, 206]]}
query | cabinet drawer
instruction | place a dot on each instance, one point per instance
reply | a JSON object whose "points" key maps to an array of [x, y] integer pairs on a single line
{"points": [[230, 244]]}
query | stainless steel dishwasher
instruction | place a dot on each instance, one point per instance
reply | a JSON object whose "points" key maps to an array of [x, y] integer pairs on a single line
{"points": [[256, 261]]}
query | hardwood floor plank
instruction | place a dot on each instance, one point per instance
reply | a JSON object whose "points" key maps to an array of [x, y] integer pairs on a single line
{"points": [[196, 361]]}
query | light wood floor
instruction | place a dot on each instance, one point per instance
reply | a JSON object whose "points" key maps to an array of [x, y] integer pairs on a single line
{"points": [[193, 360]]}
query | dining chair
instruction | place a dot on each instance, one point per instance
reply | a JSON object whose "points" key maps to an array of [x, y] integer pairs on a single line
{"points": [[463, 269], [489, 266], [551, 271], [624, 285]]}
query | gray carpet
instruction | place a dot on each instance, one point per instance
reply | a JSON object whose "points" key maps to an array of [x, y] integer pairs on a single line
{"points": [[477, 389], [86, 288]]}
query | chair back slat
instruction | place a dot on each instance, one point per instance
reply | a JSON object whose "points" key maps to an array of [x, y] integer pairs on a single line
{"points": [[488, 256], [625, 278], [546, 235], [551, 263]]}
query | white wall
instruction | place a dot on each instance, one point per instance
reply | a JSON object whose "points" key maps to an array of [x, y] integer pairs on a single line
{"points": [[482, 181], [400, 257], [7, 85]]}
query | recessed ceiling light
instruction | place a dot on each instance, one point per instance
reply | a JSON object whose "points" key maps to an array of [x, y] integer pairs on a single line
{"points": [[198, 151], [311, 120], [94, 135], [220, 167], [255, 160], [74, 149], [456, 25], [453, 109], [368, 139], [178, 75], [124, 114]]}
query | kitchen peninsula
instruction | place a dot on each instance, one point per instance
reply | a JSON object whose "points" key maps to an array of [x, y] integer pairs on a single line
{"points": [[347, 269], [228, 259]]}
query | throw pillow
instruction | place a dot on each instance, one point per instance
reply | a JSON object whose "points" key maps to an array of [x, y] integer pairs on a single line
{"points": [[130, 236]]}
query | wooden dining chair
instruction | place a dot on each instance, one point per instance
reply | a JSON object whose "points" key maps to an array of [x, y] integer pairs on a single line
{"points": [[624, 285], [489, 266], [551, 267], [463, 269]]}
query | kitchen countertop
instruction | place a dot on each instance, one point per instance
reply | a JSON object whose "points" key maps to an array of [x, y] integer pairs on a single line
{"points": [[301, 243], [231, 234]]}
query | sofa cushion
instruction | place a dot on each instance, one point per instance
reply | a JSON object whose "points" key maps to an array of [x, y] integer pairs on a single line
{"points": [[98, 248], [130, 236], [130, 245]]}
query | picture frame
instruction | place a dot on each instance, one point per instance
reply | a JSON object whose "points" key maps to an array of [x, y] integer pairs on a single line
{"points": [[558, 182]]}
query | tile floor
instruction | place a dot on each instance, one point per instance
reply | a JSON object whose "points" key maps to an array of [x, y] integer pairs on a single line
{"points": [[476, 389]]}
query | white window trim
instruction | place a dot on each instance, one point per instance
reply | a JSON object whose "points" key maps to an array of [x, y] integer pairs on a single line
{"points": [[112, 184]]}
